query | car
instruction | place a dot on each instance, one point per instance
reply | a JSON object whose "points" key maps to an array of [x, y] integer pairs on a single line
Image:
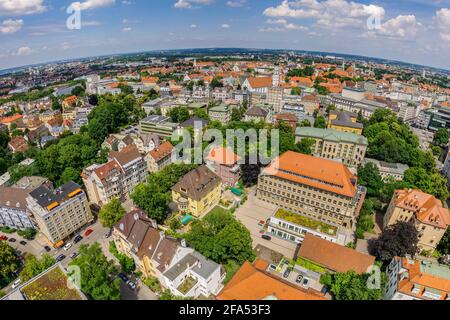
{"points": [[12, 240], [68, 246], [287, 273], [3, 238], [47, 248], [262, 222], [273, 267], [299, 279], [88, 232], [77, 239], [131, 285], [74, 255], [24, 243], [123, 277], [16, 283], [266, 237], [305, 282], [108, 234], [60, 258]]}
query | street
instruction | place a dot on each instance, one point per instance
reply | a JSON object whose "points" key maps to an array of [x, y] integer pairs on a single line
{"points": [[251, 213]]}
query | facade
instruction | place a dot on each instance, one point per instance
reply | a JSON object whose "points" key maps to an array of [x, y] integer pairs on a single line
{"points": [[388, 171], [344, 121], [317, 188], [60, 212], [259, 113], [117, 178], [288, 118], [311, 104], [221, 113], [345, 147], [160, 157], [224, 163], [426, 212], [13, 208], [197, 192], [275, 98], [410, 279], [159, 125], [257, 85]]}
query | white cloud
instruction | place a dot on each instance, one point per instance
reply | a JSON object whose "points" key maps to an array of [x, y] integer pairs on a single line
{"points": [[23, 51], [93, 4], [21, 7], [127, 29], [11, 26], [188, 4], [126, 2], [328, 13], [402, 26], [276, 21], [226, 26], [236, 3], [193, 26], [443, 23]]}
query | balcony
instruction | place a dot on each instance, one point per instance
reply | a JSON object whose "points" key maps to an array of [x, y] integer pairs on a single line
{"points": [[187, 285]]}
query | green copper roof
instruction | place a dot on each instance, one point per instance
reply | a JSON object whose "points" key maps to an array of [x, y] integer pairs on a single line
{"points": [[330, 135]]}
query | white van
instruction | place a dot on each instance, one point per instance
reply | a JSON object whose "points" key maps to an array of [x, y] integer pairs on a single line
{"points": [[68, 246], [16, 283]]}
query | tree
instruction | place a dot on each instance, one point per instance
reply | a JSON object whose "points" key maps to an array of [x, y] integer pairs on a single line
{"points": [[220, 237], [179, 114], [69, 174], [215, 83], [34, 266], [444, 245], [28, 233], [429, 182], [78, 91], [9, 262], [93, 99], [202, 114], [305, 123], [320, 122], [296, 91], [305, 146], [126, 89], [399, 240], [111, 213], [369, 176], [126, 262], [352, 286], [441, 137], [98, 274]]}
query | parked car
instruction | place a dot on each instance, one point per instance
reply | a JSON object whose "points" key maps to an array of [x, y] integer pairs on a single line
{"points": [[47, 248], [305, 282], [266, 237], [12, 240], [299, 279], [3, 238], [77, 239], [68, 246], [24, 243], [123, 277], [60, 258], [131, 285], [74, 255], [261, 223], [287, 273], [88, 232], [16, 283]]}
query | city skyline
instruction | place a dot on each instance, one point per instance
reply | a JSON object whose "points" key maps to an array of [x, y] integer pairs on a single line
{"points": [[35, 31]]}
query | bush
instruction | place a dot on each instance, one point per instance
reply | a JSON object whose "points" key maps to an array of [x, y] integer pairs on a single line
{"points": [[153, 284], [8, 230], [28, 233], [127, 264]]}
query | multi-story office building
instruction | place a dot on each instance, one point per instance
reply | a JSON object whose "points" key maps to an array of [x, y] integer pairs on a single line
{"points": [[60, 212], [221, 113], [116, 178], [159, 125], [344, 121], [275, 98], [410, 279], [388, 171], [317, 188], [348, 148], [426, 212]]}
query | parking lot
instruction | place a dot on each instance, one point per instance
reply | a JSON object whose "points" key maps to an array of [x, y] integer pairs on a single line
{"points": [[251, 213]]}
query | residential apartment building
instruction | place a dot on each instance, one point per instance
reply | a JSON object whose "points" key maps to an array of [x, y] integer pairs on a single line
{"points": [[317, 188], [117, 178], [221, 113], [198, 191], [345, 147], [274, 98], [388, 171], [259, 113], [61, 212], [426, 212], [224, 163], [344, 121], [13, 208], [183, 271], [160, 157], [410, 279], [257, 85]]}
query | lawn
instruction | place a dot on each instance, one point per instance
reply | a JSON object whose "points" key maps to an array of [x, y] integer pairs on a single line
{"points": [[51, 286], [218, 210]]}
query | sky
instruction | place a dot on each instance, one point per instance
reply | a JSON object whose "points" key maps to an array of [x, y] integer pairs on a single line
{"points": [[35, 31]]}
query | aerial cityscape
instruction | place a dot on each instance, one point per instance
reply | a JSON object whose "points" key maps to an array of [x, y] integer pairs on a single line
{"points": [[207, 151]]}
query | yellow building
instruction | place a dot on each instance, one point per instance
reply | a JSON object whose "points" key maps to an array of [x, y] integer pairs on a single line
{"points": [[430, 218], [197, 192], [344, 121]]}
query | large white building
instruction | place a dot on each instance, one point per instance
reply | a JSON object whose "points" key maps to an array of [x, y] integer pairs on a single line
{"points": [[13, 208]]}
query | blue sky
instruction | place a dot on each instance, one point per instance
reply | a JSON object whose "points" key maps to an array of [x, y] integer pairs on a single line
{"points": [[417, 31]]}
